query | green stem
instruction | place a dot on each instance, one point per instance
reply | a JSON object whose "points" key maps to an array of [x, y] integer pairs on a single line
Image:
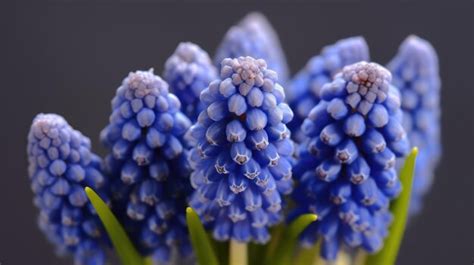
{"points": [[238, 253]]}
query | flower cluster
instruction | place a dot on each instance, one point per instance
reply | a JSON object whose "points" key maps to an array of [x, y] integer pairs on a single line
{"points": [[188, 71], [415, 73], [254, 36], [219, 137], [147, 164], [346, 167], [61, 165], [303, 92], [241, 158]]}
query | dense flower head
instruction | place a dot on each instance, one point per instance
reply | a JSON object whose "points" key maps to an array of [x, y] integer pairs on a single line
{"points": [[346, 167], [415, 72], [188, 71], [303, 93], [147, 164], [241, 158], [61, 165], [254, 36]]}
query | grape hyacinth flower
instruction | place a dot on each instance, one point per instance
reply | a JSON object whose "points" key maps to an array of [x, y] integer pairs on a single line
{"points": [[148, 165], [188, 71], [415, 72], [242, 151], [254, 36], [303, 93], [61, 165], [346, 170]]}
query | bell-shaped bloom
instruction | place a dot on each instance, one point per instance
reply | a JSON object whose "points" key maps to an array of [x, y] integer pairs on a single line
{"points": [[241, 158], [415, 72], [254, 36], [147, 165], [188, 71], [304, 90], [346, 167], [61, 165]]}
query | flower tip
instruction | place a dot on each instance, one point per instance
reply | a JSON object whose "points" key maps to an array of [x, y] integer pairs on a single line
{"points": [[255, 17], [314, 217], [189, 210], [88, 190], [414, 151]]}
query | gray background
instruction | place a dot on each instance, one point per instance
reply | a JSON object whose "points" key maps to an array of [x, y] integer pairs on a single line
{"points": [[69, 57]]}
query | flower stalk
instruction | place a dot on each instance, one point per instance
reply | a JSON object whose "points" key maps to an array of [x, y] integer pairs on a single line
{"points": [[238, 253]]}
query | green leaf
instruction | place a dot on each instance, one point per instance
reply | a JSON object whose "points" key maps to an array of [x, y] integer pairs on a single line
{"points": [[286, 247], [270, 248], [123, 246], [306, 256], [256, 253], [399, 209], [220, 248], [199, 239]]}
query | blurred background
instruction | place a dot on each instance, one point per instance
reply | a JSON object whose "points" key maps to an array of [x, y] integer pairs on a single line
{"points": [[69, 57]]}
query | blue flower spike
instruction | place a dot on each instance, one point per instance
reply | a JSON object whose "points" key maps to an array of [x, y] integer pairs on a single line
{"points": [[303, 93], [346, 170], [61, 165], [254, 36], [415, 72], [241, 159], [148, 166], [188, 71]]}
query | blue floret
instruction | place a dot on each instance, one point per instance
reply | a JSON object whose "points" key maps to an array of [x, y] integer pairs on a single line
{"points": [[346, 166], [303, 93], [254, 36], [147, 164], [188, 71], [241, 158], [415, 72], [61, 165]]}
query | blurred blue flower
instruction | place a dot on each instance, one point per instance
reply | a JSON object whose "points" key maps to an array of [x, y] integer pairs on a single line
{"points": [[148, 166], [346, 167], [242, 152], [303, 93], [415, 72], [254, 36], [61, 165], [188, 71]]}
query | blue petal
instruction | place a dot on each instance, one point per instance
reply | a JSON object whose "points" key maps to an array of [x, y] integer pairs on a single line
{"points": [[237, 104], [235, 131], [256, 119], [354, 125]]}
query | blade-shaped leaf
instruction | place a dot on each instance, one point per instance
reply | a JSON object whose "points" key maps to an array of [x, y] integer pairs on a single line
{"points": [[123, 246], [285, 249], [307, 256], [399, 209], [199, 239], [270, 248]]}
